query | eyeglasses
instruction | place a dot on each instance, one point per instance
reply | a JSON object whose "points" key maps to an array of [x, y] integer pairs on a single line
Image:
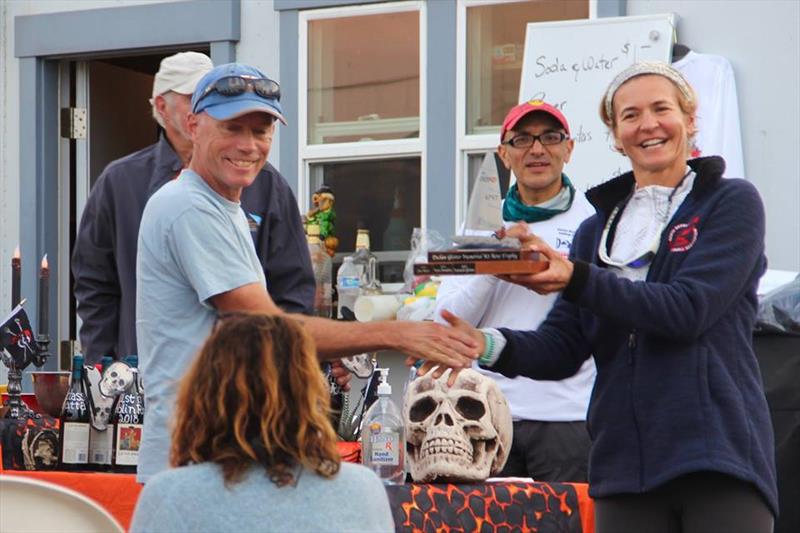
{"points": [[647, 257], [526, 140], [236, 85]]}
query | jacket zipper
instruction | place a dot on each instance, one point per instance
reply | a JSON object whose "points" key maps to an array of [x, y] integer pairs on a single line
{"points": [[631, 346], [631, 363]]}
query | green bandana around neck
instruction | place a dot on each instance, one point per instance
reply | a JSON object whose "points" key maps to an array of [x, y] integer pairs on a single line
{"points": [[515, 211]]}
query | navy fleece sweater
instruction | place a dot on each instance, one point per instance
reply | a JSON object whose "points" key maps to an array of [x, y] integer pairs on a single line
{"points": [[678, 386]]}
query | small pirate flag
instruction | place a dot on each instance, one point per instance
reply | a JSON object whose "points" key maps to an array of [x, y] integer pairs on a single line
{"points": [[17, 340]]}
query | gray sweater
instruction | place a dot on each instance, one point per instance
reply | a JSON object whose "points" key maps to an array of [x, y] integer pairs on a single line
{"points": [[194, 498]]}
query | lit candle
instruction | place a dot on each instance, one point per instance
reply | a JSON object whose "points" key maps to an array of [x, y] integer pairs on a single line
{"points": [[44, 285], [16, 272]]}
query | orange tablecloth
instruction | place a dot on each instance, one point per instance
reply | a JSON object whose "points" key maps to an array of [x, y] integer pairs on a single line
{"points": [[118, 492]]}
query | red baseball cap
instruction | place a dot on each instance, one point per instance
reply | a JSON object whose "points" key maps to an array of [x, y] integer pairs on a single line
{"points": [[519, 111]]}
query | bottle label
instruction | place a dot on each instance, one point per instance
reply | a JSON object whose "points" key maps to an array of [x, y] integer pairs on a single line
{"points": [[349, 282], [75, 405], [385, 448], [129, 439], [130, 409], [100, 445], [75, 448]]}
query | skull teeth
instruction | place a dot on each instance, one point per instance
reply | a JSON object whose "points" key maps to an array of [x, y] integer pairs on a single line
{"points": [[444, 446]]}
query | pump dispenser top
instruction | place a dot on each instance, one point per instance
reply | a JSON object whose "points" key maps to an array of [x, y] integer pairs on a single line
{"points": [[384, 389]]}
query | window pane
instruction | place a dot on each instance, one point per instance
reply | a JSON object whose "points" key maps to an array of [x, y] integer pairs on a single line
{"points": [[363, 78], [382, 196], [495, 45]]}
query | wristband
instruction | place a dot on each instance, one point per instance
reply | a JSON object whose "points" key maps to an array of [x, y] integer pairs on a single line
{"points": [[494, 344], [488, 349]]}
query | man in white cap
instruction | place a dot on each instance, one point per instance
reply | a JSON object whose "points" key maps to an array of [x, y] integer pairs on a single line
{"points": [[104, 258], [197, 262]]}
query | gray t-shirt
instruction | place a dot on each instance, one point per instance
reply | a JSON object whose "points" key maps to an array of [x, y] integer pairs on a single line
{"points": [[194, 498], [193, 244]]}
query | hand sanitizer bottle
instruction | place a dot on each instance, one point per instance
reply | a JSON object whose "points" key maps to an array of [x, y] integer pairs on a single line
{"points": [[383, 440]]}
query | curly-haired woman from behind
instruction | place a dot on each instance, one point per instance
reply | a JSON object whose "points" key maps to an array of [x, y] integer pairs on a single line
{"points": [[253, 445]]}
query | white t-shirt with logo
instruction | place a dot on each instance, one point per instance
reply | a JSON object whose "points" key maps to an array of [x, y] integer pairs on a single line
{"points": [[486, 301]]}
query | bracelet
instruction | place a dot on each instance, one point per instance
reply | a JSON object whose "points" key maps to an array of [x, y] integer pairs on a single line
{"points": [[488, 350]]}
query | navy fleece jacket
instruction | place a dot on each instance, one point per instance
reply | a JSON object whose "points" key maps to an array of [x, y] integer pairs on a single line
{"points": [[678, 386]]}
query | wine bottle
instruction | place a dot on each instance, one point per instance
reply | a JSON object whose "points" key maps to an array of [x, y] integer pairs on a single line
{"points": [[101, 441], [74, 422], [128, 420]]}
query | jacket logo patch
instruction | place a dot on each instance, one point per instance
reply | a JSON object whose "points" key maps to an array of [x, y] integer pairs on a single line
{"points": [[254, 221], [683, 236]]}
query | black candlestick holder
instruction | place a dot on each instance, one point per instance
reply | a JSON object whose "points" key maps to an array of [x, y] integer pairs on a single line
{"points": [[16, 407], [42, 347]]}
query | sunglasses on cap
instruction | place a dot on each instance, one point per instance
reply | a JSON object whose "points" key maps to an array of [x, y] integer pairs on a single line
{"points": [[236, 85]]}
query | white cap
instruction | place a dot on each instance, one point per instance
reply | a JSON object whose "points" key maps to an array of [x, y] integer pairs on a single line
{"points": [[181, 72], [384, 389]]}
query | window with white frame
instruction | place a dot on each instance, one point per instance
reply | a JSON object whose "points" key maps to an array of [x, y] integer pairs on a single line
{"points": [[360, 119], [491, 39]]}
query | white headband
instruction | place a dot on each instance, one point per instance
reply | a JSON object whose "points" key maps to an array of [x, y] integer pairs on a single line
{"points": [[640, 69]]}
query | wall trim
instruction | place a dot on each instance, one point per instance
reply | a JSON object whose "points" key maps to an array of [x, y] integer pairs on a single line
{"points": [[288, 5], [70, 33]]}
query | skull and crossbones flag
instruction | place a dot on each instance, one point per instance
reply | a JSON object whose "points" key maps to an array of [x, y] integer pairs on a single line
{"points": [[16, 336]]}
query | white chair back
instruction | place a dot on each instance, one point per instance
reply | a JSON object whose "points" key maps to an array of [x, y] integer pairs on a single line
{"points": [[31, 505]]}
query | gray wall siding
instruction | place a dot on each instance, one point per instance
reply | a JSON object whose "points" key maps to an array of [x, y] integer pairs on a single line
{"points": [[289, 86], [761, 41], [440, 119], [38, 175], [115, 28]]}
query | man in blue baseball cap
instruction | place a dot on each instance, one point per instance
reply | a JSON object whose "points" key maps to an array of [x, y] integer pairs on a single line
{"points": [[104, 257], [196, 259]]}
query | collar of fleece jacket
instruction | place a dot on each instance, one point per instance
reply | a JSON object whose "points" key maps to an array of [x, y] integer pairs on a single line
{"points": [[605, 196]]}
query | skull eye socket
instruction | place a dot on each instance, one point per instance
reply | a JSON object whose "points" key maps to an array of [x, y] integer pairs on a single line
{"points": [[422, 409], [470, 408]]}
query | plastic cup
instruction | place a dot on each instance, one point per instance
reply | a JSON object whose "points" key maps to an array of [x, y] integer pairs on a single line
{"points": [[376, 307]]}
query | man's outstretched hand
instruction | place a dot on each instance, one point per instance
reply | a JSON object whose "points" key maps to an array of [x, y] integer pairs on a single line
{"points": [[447, 346], [465, 329]]}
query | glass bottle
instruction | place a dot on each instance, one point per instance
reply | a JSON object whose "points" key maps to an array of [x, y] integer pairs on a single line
{"points": [[128, 420], [74, 422], [367, 264], [101, 441], [323, 272]]}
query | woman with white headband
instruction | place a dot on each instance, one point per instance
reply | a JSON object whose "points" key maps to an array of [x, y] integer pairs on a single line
{"points": [[660, 287]]}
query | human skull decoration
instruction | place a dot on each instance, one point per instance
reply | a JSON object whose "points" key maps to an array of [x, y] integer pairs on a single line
{"points": [[459, 433], [117, 378], [104, 388]]}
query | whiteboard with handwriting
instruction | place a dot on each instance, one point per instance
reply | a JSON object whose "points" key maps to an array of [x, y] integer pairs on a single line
{"points": [[570, 63]]}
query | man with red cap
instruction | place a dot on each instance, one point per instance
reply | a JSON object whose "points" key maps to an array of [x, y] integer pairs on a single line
{"points": [[550, 439]]}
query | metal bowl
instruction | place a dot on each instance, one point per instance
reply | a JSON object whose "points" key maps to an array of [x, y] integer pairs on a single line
{"points": [[50, 389]]}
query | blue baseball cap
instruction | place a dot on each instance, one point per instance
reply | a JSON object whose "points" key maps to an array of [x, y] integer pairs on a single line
{"points": [[223, 107]]}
